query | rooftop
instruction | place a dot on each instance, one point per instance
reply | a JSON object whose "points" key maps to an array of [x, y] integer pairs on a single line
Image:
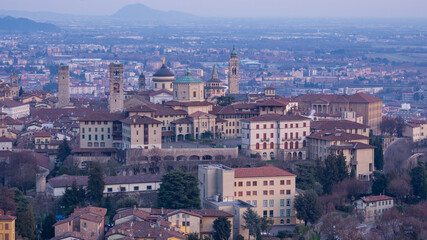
{"points": [[266, 171]]}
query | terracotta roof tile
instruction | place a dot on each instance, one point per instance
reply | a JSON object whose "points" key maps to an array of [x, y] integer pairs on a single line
{"points": [[266, 171], [376, 198]]}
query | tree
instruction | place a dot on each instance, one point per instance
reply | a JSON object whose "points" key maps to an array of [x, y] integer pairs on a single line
{"points": [[399, 188], [252, 222], [193, 236], [240, 237], [225, 100], [127, 202], [335, 171], [72, 198], [179, 190], [222, 228], [379, 184], [378, 154], [266, 224], [7, 199], [64, 151], [418, 180], [25, 219], [22, 170], [400, 125], [48, 231], [308, 207], [21, 91], [388, 125], [96, 184]]}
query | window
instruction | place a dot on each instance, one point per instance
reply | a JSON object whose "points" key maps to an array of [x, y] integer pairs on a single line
{"points": [[90, 137], [254, 183], [264, 213], [265, 192], [282, 182], [288, 221], [6, 236], [84, 224], [265, 183], [288, 212], [254, 193], [123, 189], [286, 125], [257, 136], [265, 126], [288, 192], [271, 182], [240, 194], [288, 182], [296, 125], [304, 124], [272, 135], [248, 183], [304, 133], [271, 145], [288, 202], [257, 145], [240, 184], [257, 126], [136, 188], [248, 193], [254, 203], [109, 189], [265, 203], [282, 191], [292, 125], [271, 213], [271, 192], [271, 203], [282, 202], [272, 125], [282, 214]]}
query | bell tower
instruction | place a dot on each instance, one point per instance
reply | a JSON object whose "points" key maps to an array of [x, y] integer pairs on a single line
{"points": [[141, 82], [14, 85], [116, 87], [233, 72]]}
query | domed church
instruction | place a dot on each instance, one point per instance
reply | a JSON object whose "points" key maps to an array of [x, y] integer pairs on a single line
{"points": [[163, 79], [188, 89]]}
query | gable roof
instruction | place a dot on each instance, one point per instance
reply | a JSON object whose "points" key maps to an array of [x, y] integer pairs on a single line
{"points": [[336, 136], [376, 198]]}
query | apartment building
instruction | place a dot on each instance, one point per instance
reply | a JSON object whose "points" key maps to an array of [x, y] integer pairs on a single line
{"points": [[7, 225], [416, 130], [142, 132], [275, 136], [270, 190], [341, 125], [372, 207]]}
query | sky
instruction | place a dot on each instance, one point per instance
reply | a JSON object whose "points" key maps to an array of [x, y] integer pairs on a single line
{"points": [[238, 8]]}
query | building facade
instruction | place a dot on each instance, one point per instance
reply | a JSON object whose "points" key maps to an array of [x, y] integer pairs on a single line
{"points": [[233, 73], [142, 132], [63, 86], [116, 87]]}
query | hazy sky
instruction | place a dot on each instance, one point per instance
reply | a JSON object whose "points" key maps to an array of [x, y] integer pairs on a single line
{"points": [[238, 8]]}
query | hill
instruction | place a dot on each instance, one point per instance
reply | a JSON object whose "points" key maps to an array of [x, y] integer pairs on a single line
{"points": [[11, 24]]}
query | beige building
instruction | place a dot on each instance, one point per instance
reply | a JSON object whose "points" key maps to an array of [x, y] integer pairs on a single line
{"points": [[274, 136], [365, 105], [214, 86], [188, 89], [142, 132], [340, 125], [372, 207], [268, 189], [416, 130], [98, 130], [163, 79]]}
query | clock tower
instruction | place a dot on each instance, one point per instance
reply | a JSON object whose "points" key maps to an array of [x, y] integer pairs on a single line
{"points": [[116, 87], [14, 85]]}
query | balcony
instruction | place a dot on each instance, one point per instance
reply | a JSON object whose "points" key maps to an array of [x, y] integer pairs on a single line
{"points": [[265, 139], [292, 139]]}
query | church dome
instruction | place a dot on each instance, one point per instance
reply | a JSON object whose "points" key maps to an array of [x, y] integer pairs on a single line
{"points": [[188, 79], [163, 72]]}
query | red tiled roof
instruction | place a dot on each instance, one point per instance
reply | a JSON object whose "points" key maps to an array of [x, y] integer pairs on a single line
{"points": [[376, 198], [353, 145], [141, 108], [102, 116], [266, 171], [42, 134], [363, 98], [185, 120], [275, 117], [155, 93], [5, 139], [176, 103], [10, 103], [198, 114], [143, 229], [75, 235], [136, 119], [336, 125], [212, 213], [272, 103], [67, 180], [336, 136]]}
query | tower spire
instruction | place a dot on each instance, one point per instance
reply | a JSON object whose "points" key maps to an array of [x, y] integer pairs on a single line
{"points": [[214, 73]]}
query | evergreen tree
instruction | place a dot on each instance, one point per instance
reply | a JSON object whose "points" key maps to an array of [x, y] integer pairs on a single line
{"points": [[222, 228], [418, 180], [252, 222], [379, 184], [335, 171], [48, 231], [179, 190], [378, 154], [96, 184], [266, 224], [72, 198], [64, 151], [308, 207], [25, 219], [21, 91]]}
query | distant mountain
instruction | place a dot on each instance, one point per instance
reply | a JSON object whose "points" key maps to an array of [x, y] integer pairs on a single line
{"points": [[144, 14], [12, 24]]}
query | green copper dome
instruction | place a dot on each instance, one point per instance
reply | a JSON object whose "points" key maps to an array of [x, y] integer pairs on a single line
{"points": [[234, 52], [188, 79]]}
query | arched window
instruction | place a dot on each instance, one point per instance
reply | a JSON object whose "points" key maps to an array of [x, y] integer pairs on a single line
{"points": [[264, 145], [271, 155], [257, 145], [291, 145], [271, 145], [296, 145], [286, 145], [282, 221], [264, 155]]}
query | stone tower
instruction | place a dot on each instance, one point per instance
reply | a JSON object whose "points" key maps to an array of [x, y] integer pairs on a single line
{"points": [[14, 85], [63, 86], [141, 82], [116, 87], [233, 72]]}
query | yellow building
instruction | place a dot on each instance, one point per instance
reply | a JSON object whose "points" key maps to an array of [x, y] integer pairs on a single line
{"points": [[372, 207], [7, 226], [42, 139]]}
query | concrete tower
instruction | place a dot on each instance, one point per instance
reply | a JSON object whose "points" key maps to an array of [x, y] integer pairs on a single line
{"points": [[233, 72], [14, 85], [116, 87], [141, 82], [63, 86]]}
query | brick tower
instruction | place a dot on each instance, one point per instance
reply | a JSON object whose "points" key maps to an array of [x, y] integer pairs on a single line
{"points": [[63, 86], [116, 87], [14, 85]]}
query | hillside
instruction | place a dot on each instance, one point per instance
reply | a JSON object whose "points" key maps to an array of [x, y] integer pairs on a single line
{"points": [[11, 24]]}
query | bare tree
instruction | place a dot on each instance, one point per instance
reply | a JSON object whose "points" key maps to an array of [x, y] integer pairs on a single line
{"points": [[399, 187]]}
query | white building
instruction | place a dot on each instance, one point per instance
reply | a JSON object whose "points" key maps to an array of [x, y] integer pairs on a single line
{"points": [[15, 109], [113, 184], [274, 136]]}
